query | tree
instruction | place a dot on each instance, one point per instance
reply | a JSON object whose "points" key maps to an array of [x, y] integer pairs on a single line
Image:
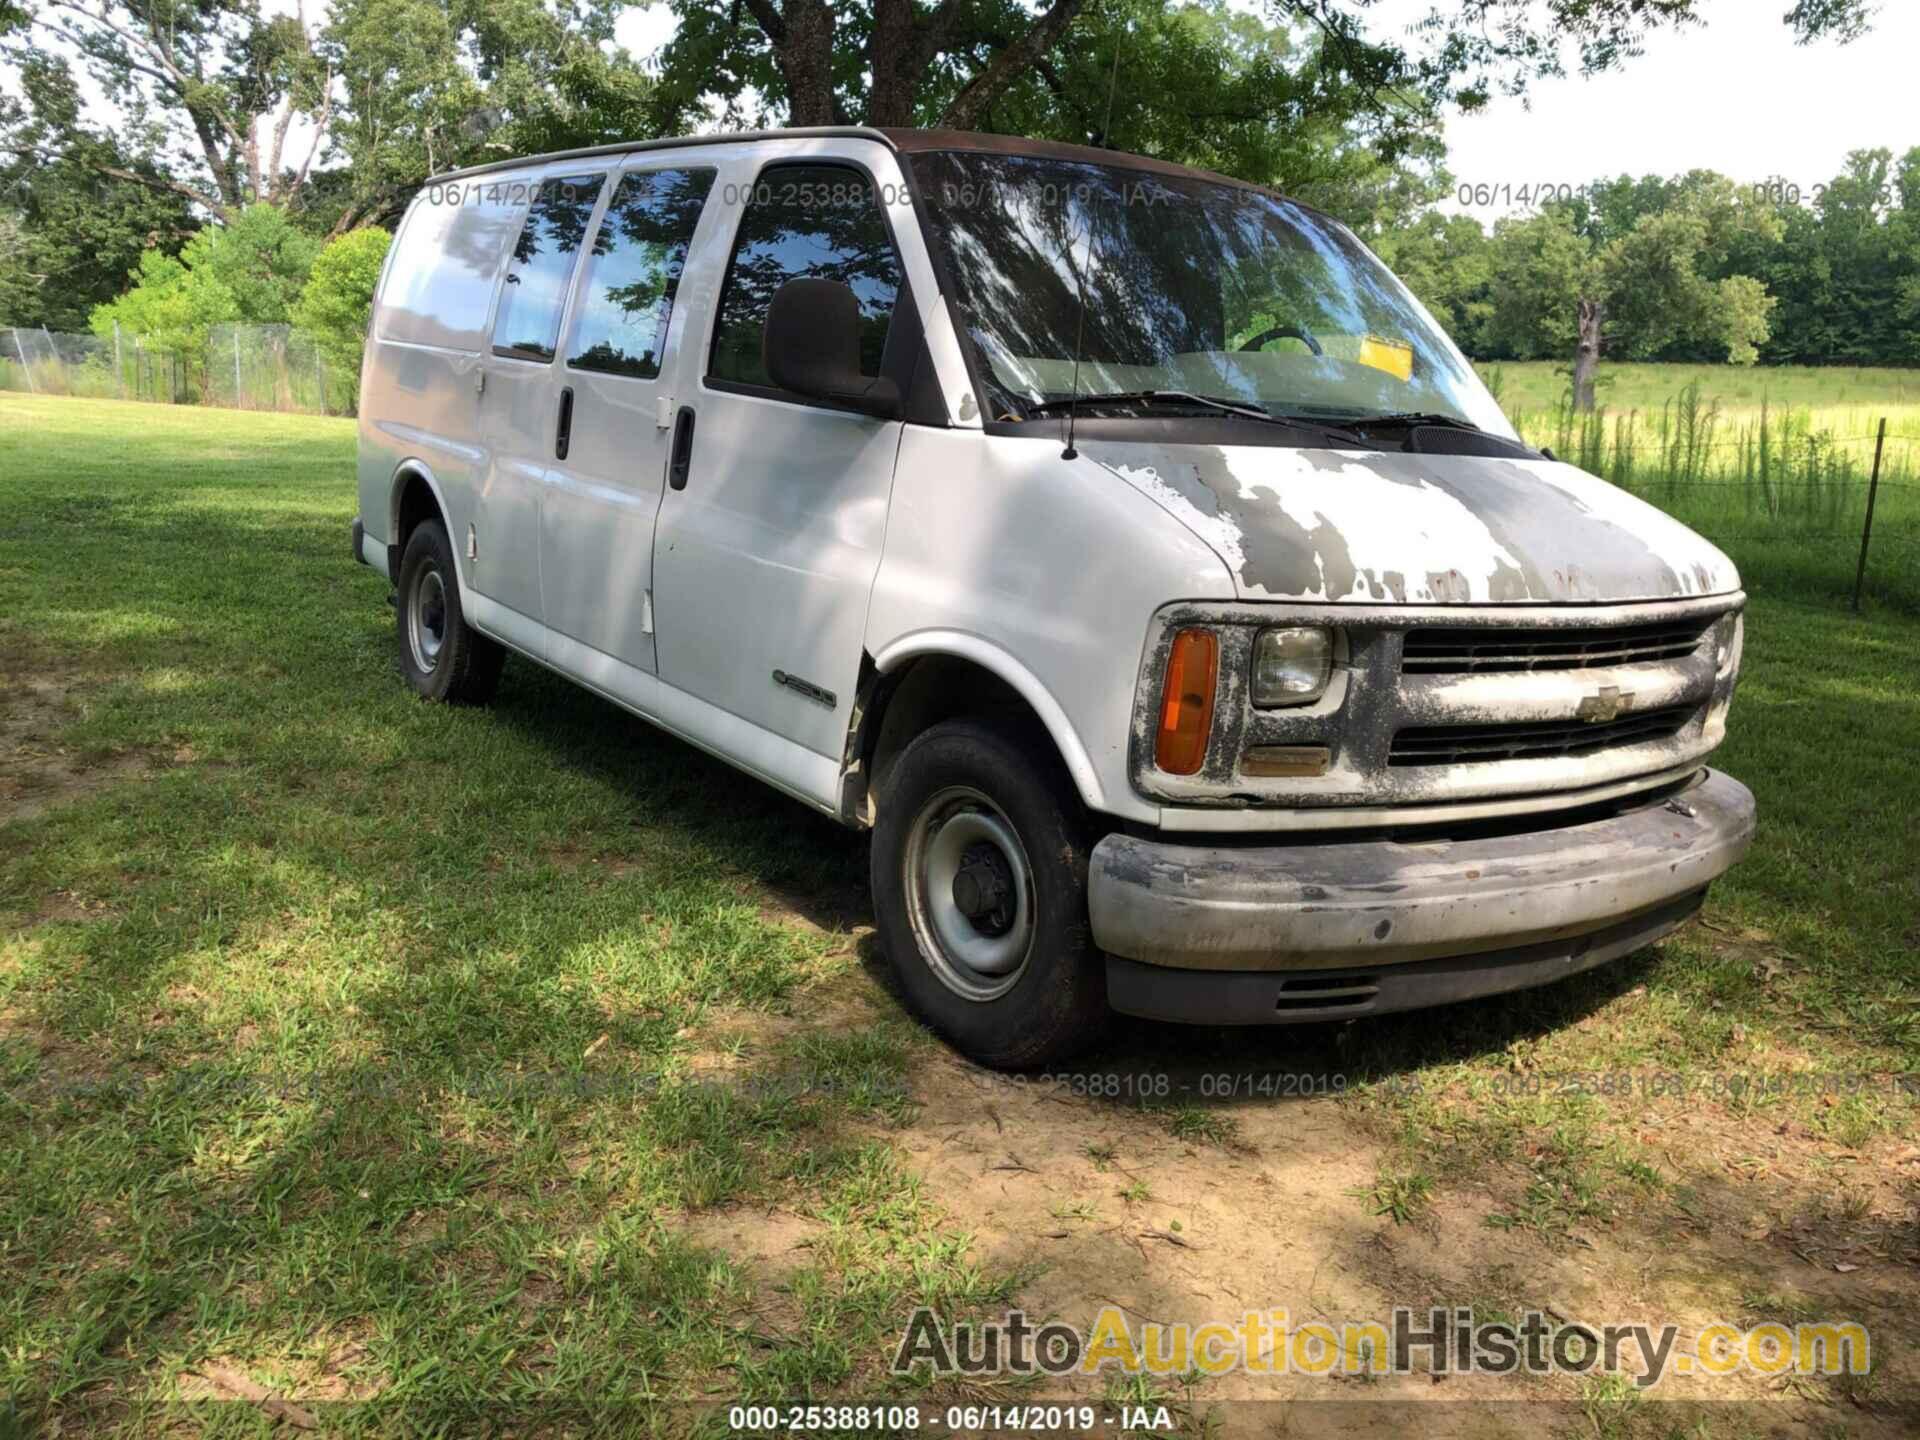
{"points": [[338, 299], [999, 64], [950, 62], [80, 218], [250, 271], [385, 94], [213, 86], [433, 85], [1543, 266], [168, 307], [1468, 50], [1637, 294]]}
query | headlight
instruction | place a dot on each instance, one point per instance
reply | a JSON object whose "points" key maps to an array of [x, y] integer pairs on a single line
{"points": [[1291, 666]]}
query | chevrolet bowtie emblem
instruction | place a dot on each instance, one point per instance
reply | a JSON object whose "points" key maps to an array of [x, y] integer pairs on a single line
{"points": [[1606, 703]]}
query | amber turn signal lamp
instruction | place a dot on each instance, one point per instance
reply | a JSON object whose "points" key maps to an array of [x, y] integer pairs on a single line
{"points": [[1186, 702]]}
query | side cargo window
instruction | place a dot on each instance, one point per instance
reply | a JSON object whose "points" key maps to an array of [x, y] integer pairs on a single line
{"points": [[639, 251], [440, 272], [819, 221], [527, 325]]}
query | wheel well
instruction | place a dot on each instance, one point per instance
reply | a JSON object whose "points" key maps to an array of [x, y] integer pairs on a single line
{"points": [[896, 707], [415, 504]]}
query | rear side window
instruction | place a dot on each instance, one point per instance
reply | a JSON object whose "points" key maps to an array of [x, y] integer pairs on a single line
{"points": [[535, 292], [440, 280], [638, 254], [804, 220]]}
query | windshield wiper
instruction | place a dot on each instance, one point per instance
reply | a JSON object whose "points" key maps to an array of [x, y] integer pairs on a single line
{"points": [[1411, 418], [1327, 428], [1150, 397]]}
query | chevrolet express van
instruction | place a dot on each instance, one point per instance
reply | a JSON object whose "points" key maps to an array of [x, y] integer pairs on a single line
{"points": [[1121, 544]]}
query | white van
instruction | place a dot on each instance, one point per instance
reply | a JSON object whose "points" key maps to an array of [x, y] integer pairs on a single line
{"points": [[1123, 545]]}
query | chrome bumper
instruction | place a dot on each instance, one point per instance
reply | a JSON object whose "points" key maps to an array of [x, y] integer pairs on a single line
{"points": [[1310, 907]]}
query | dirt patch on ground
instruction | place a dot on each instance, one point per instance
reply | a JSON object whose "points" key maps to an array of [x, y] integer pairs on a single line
{"points": [[282, 1388], [1102, 1203], [38, 774]]}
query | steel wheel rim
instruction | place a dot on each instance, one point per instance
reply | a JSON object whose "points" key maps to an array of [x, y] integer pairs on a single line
{"points": [[966, 958], [427, 618]]}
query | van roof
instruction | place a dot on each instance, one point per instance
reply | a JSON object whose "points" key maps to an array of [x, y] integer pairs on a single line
{"points": [[902, 141]]}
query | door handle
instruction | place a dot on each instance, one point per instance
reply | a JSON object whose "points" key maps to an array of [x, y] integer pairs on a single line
{"points": [[563, 432], [682, 455]]}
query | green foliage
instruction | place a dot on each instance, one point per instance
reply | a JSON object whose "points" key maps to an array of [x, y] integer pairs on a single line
{"points": [[1692, 268], [1651, 285], [1479, 48], [430, 87], [168, 306], [207, 91], [1544, 265], [78, 213], [1740, 310], [1272, 99], [260, 258], [251, 271], [338, 298]]}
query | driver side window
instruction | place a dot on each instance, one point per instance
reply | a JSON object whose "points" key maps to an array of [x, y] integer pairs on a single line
{"points": [[818, 221]]}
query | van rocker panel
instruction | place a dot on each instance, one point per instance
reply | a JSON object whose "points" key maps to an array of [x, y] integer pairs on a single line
{"points": [[1309, 907]]}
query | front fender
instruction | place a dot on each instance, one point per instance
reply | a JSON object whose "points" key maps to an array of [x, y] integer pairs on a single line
{"points": [[961, 645]]}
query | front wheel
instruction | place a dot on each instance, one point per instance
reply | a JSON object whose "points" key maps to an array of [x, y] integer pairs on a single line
{"points": [[980, 893], [443, 656]]}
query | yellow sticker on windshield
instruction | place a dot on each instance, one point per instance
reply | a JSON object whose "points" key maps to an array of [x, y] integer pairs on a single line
{"points": [[1388, 355]]}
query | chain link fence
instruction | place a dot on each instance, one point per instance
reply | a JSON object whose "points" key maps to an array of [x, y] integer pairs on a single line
{"points": [[238, 367]]}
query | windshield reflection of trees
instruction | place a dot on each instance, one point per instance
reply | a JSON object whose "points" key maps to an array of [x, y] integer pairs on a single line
{"points": [[1172, 267]]}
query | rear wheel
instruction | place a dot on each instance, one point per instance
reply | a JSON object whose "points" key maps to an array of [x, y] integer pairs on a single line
{"points": [[443, 656], [980, 893]]}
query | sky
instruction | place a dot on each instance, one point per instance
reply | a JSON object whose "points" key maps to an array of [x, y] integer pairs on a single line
{"points": [[1735, 95]]}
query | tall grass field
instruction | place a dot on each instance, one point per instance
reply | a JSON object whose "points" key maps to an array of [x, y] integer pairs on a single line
{"points": [[1774, 465]]}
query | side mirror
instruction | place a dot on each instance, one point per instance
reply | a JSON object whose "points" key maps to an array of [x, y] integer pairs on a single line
{"points": [[811, 346]]}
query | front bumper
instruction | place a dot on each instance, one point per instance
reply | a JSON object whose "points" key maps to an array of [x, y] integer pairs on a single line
{"points": [[1313, 931]]}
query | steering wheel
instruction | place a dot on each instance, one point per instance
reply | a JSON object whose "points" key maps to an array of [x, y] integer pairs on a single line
{"points": [[1285, 332]]}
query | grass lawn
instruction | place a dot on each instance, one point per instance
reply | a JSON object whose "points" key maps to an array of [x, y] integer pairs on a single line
{"points": [[432, 1070], [1540, 384]]}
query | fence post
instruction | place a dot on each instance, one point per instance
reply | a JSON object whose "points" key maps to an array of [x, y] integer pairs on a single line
{"points": [[236, 368], [1866, 530], [25, 369], [320, 379], [119, 375]]}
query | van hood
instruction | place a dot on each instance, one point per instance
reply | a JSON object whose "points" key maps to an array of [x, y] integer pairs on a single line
{"points": [[1379, 527]]}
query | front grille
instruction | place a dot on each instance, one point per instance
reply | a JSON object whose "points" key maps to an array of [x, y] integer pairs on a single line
{"points": [[1462, 650], [1479, 744]]}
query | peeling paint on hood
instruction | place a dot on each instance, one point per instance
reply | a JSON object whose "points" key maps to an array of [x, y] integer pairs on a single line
{"points": [[1406, 528]]}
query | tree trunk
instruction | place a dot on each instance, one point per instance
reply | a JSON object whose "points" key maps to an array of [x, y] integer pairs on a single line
{"points": [[894, 62], [802, 36], [1586, 354]]}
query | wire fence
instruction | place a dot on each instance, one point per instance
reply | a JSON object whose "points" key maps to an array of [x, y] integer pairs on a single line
{"points": [[1832, 511], [237, 367]]}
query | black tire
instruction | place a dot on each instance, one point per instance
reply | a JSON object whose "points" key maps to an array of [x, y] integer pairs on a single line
{"points": [[443, 657], [961, 786]]}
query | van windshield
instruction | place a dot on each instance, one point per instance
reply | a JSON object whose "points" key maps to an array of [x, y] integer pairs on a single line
{"points": [[1192, 286]]}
